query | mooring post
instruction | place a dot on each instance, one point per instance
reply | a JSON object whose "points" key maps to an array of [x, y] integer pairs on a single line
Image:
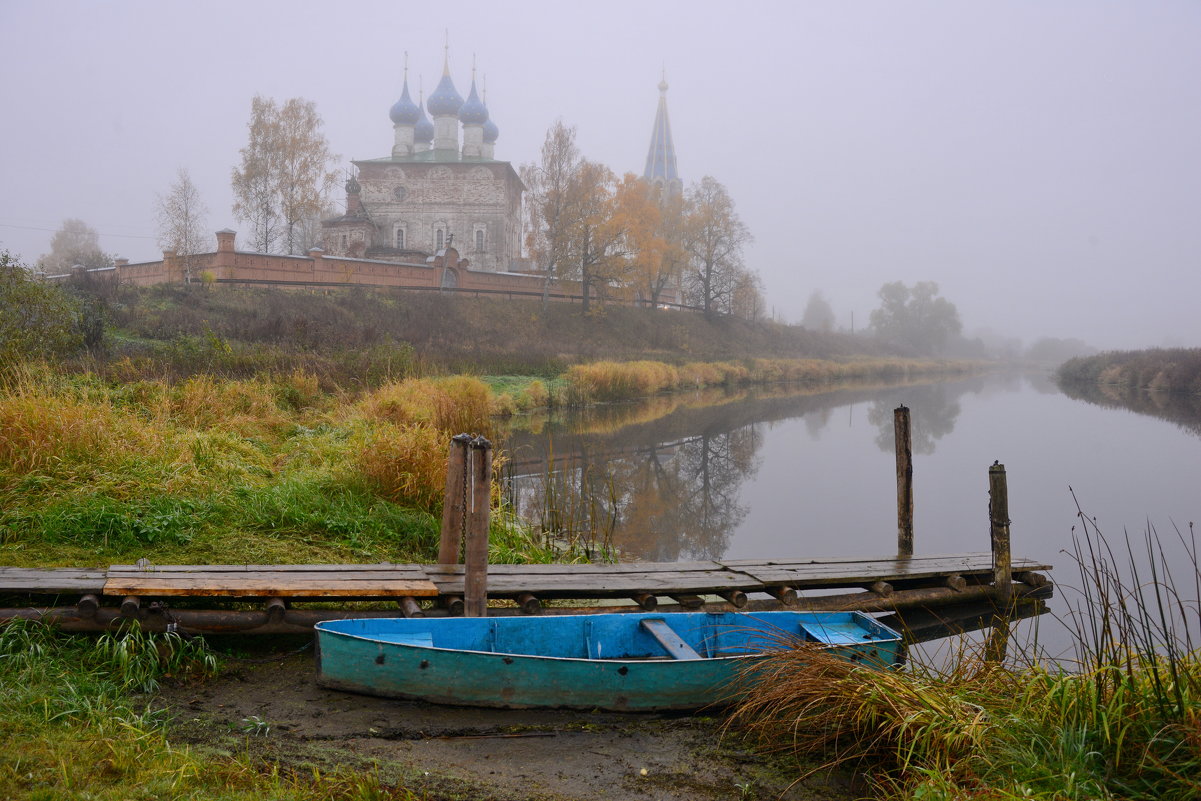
{"points": [[998, 515], [475, 589], [454, 503], [900, 418]]}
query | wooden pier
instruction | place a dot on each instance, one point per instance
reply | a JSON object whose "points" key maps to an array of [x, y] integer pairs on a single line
{"points": [[285, 598], [265, 595]]}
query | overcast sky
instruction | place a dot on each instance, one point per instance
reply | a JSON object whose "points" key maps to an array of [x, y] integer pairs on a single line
{"points": [[1040, 160]]}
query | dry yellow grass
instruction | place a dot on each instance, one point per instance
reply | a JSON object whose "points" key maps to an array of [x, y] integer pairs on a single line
{"points": [[458, 404]]}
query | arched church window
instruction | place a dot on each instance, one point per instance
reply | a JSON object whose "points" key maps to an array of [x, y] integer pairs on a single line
{"points": [[400, 238], [479, 240], [439, 239]]}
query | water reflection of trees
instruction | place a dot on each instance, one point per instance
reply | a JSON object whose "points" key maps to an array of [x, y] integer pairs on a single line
{"points": [[667, 502], [933, 410], [1183, 409], [662, 481]]}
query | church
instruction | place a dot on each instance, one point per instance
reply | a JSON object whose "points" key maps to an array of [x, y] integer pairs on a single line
{"points": [[439, 212], [435, 185]]}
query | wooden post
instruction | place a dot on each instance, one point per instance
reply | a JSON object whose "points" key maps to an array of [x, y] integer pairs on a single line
{"points": [[453, 505], [475, 589], [998, 516], [904, 446]]}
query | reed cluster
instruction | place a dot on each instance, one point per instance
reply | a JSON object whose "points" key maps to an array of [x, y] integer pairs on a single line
{"points": [[1157, 369], [607, 381], [1122, 721]]}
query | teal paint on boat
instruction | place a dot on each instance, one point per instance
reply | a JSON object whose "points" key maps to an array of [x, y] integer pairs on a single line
{"points": [[604, 661]]}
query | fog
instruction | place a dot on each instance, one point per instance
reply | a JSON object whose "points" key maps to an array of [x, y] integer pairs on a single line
{"points": [[1040, 160]]}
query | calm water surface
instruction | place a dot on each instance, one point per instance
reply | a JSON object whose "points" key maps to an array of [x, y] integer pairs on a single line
{"points": [[804, 473]]}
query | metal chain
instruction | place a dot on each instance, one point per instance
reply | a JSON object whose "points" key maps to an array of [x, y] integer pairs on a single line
{"points": [[466, 498]]}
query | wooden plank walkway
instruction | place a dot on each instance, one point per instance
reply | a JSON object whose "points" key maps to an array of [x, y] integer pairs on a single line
{"points": [[591, 581]]}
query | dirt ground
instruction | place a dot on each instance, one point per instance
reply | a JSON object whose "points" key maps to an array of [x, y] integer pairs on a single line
{"points": [[276, 710]]}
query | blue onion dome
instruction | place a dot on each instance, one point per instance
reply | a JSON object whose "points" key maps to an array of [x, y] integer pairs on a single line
{"points": [[445, 101], [423, 131], [473, 112], [405, 111], [491, 132]]}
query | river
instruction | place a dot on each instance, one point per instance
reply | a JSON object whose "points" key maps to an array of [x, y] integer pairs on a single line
{"points": [[804, 472]]}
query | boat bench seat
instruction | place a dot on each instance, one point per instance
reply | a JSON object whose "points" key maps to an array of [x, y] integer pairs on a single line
{"points": [[671, 642]]}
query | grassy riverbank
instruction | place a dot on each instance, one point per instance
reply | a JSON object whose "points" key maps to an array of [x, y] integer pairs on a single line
{"points": [[274, 468], [1160, 369]]}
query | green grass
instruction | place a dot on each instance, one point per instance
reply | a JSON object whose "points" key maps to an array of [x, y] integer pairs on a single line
{"points": [[79, 724]]}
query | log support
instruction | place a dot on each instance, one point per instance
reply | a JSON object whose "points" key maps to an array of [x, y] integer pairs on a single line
{"points": [[785, 595], [130, 605], [736, 597], [528, 604], [647, 601], [88, 605], [276, 607], [410, 607], [881, 588], [688, 601]]}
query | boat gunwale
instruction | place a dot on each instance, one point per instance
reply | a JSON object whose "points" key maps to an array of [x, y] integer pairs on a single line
{"points": [[817, 646]]}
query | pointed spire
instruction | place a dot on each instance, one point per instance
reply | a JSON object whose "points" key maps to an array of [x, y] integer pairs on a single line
{"points": [[661, 158], [446, 54]]}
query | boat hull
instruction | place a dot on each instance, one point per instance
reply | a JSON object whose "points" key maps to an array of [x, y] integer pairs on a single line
{"points": [[609, 662]]}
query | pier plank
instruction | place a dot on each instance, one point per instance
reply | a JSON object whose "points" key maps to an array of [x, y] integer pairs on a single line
{"points": [[265, 588], [388, 580], [51, 580]]}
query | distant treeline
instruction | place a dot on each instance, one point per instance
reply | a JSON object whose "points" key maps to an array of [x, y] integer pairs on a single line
{"points": [[1160, 369]]}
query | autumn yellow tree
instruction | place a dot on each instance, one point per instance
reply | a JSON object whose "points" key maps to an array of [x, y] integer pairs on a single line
{"points": [[597, 231], [638, 217], [714, 238]]}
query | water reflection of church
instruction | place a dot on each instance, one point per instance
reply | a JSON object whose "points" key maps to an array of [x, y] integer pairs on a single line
{"points": [[664, 480]]}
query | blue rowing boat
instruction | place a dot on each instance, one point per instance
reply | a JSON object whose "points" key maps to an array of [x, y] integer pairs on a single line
{"points": [[621, 662]]}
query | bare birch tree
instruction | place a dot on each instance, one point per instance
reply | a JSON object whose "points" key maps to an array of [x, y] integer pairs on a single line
{"points": [[254, 183], [550, 209], [285, 177], [181, 221]]}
